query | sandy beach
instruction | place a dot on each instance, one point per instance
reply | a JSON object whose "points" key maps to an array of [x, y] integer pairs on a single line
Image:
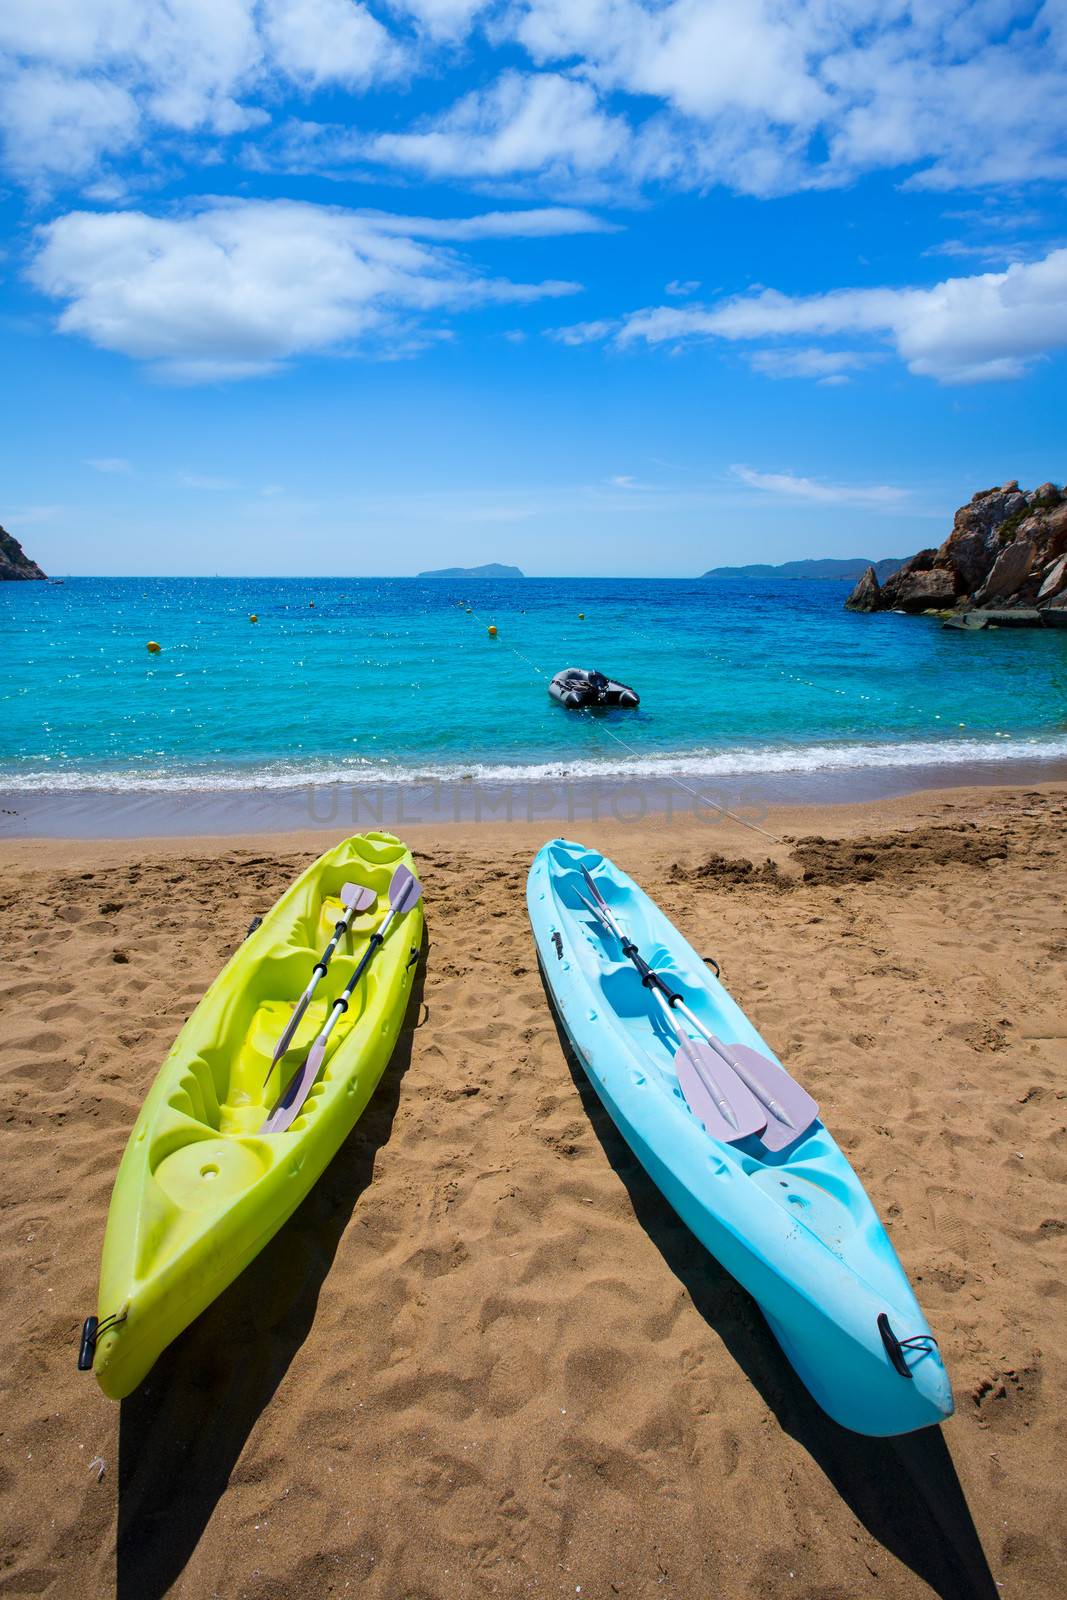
{"points": [[484, 1358]]}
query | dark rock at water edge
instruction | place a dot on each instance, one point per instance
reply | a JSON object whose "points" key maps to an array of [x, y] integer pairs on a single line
{"points": [[1006, 551], [14, 562], [866, 596], [1019, 617]]}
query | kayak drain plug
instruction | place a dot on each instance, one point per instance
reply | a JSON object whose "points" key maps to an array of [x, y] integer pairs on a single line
{"points": [[92, 1328]]}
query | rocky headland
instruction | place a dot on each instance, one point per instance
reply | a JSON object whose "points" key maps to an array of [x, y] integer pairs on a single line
{"points": [[1004, 562], [14, 562]]}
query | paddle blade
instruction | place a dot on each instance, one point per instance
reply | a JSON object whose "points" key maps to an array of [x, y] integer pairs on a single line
{"points": [[405, 890], [788, 1102], [356, 899], [706, 1080], [290, 1028], [595, 892], [289, 1106]]}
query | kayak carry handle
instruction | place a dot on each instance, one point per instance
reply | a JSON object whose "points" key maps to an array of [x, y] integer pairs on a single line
{"points": [[895, 1348], [87, 1348], [92, 1328]]}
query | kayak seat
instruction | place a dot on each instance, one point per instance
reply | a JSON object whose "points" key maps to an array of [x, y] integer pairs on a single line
{"points": [[624, 992], [225, 1088]]}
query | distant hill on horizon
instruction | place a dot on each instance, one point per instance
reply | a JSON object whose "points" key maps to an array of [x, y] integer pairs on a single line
{"points": [[849, 570], [491, 569]]}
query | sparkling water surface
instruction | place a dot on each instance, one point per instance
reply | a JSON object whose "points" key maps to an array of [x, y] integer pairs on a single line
{"points": [[393, 679]]}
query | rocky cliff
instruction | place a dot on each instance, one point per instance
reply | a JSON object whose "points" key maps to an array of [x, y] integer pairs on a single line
{"points": [[1007, 551], [14, 562]]}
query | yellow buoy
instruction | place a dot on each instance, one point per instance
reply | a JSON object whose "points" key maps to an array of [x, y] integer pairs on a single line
{"points": [[153, 647], [492, 632], [581, 616], [253, 617]]}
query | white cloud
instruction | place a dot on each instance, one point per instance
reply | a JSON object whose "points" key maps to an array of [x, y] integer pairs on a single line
{"points": [[583, 332], [874, 497], [966, 94], [83, 80], [523, 123], [683, 288], [809, 362], [441, 19], [545, 223], [703, 57], [331, 41], [111, 464], [625, 480], [234, 289], [53, 122], [963, 330], [765, 97]]}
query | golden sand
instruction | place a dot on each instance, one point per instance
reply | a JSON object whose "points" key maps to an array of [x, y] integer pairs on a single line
{"points": [[484, 1358]]}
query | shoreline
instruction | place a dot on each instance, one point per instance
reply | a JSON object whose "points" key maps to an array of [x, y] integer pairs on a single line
{"points": [[730, 837], [131, 813]]}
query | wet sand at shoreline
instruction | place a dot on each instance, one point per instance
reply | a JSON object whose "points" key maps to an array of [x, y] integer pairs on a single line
{"points": [[484, 1358]]}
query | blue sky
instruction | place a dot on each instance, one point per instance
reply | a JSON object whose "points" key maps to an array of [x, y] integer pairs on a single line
{"points": [[592, 286]]}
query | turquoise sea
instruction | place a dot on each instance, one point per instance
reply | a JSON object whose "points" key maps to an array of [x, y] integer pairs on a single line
{"points": [[392, 679]]}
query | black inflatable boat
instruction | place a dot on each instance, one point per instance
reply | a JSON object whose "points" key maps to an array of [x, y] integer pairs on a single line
{"points": [[578, 689]]}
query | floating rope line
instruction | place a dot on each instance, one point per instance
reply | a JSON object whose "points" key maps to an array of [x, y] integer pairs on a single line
{"points": [[668, 777]]}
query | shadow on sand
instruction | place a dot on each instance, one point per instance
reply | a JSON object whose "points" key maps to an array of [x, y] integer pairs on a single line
{"points": [[182, 1432], [905, 1490]]}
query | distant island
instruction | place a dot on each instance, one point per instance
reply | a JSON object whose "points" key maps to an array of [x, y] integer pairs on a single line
{"points": [[14, 562], [849, 571], [492, 569]]}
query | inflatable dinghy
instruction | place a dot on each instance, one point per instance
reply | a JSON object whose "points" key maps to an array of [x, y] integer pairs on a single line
{"points": [[577, 689]]}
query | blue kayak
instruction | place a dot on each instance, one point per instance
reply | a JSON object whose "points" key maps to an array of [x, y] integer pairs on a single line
{"points": [[793, 1225]]}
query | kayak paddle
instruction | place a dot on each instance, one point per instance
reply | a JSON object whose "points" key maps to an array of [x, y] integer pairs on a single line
{"points": [[355, 899], [726, 1106], [727, 1112], [790, 1108], [405, 892]]}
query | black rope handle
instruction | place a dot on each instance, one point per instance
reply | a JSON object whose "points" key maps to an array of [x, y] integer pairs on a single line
{"points": [[92, 1328], [895, 1347]]}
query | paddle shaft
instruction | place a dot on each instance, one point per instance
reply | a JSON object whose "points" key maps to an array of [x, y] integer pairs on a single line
{"points": [[341, 927], [340, 1005], [722, 1104]]}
